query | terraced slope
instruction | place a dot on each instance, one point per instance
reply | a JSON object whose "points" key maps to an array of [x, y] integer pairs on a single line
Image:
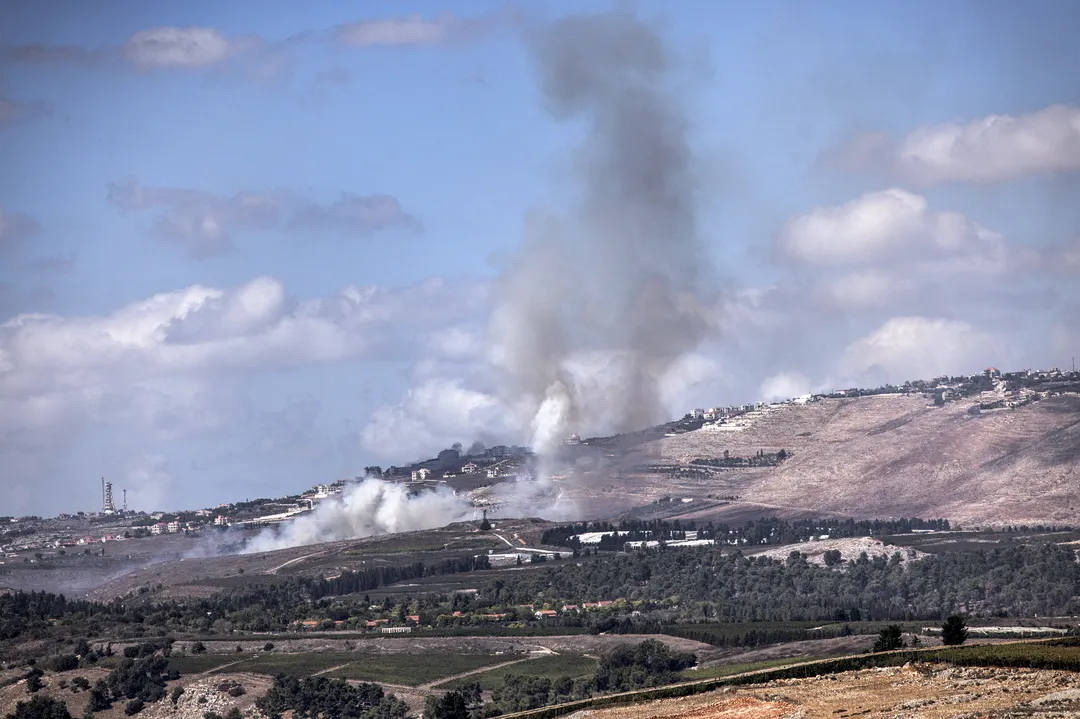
{"points": [[891, 456]]}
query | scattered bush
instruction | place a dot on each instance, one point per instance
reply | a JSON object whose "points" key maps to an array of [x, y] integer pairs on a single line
{"points": [[64, 662], [40, 707], [133, 707], [268, 647], [175, 694]]}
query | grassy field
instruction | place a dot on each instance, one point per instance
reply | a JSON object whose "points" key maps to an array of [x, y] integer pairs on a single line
{"points": [[302, 664], [552, 667], [413, 669], [199, 663], [408, 669]]}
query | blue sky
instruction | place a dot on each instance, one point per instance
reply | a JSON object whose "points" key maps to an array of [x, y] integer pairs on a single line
{"points": [[336, 187]]}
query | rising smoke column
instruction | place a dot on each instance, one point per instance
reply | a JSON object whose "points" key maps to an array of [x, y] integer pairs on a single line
{"points": [[371, 507], [598, 306]]}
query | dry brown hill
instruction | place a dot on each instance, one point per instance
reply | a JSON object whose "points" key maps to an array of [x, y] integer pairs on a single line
{"points": [[894, 456]]}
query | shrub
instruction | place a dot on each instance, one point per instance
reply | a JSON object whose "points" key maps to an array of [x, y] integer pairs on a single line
{"points": [[175, 695], [133, 707], [64, 662], [40, 707], [198, 648], [889, 639], [954, 630], [268, 647]]}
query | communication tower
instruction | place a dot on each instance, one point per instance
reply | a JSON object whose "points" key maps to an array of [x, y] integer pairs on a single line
{"points": [[107, 505]]}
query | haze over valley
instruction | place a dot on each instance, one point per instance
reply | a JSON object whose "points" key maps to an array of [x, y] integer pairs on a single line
{"points": [[479, 359]]}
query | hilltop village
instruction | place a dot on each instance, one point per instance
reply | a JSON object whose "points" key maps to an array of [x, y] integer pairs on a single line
{"points": [[470, 472]]}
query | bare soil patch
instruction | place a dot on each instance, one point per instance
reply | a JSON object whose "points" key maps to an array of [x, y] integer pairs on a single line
{"points": [[916, 691]]}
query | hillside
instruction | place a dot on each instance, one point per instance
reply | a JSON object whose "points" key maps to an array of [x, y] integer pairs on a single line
{"points": [[892, 456]]}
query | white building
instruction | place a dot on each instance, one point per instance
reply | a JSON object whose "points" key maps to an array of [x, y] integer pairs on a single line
{"points": [[419, 475]]}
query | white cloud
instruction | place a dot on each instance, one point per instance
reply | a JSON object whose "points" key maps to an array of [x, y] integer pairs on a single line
{"points": [[889, 226], [169, 369], [180, 47], [691, 377], [148, 482], [410, 30], [201, 222], [204, 223], [455, 343], [906, 348], [432, 416], [354, 214], [990, 149], [784, 386], [863, 289]]}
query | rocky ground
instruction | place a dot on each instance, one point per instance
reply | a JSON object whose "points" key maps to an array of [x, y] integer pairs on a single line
{"points": [[850, 548], [912, 691]]}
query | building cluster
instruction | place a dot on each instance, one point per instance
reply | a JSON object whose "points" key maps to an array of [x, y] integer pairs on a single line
{"points": [[1013, 389], [491, 463]]}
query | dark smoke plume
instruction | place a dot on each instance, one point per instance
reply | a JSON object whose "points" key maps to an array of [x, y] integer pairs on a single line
{"points": [[597, 307]]}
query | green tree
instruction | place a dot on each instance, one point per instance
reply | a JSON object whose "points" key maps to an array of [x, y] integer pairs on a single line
{"points": [[889, 638], [450, 705], [40, 707], [954, 630]]}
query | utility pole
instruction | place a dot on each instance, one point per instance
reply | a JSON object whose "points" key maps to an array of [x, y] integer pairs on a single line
{"points": [[125, 499]]}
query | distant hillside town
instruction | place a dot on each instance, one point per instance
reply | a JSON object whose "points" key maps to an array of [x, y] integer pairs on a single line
{"points": [[997, 390], [34, 539]]}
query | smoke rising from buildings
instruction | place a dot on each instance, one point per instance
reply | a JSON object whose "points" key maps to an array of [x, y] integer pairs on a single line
{"points": [[369, 508], [597, 306]]}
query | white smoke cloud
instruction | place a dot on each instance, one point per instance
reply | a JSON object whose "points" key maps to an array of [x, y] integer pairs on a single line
{"points": [[784, 386], [367, 509]]}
